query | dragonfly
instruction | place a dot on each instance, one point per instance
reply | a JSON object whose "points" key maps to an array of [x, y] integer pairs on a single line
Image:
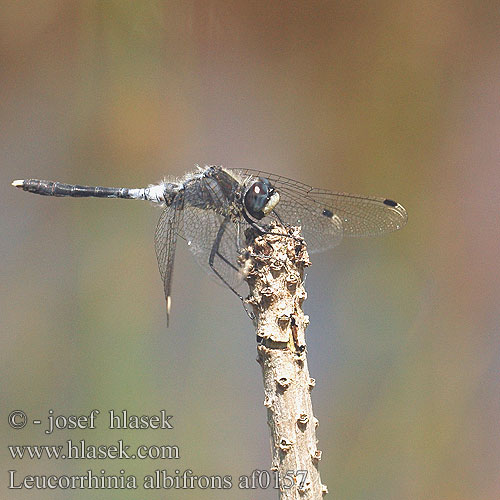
{"points": [[213, 207]]}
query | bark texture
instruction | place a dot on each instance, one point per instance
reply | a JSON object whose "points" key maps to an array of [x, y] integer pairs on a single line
{"points": [[274, 265]]}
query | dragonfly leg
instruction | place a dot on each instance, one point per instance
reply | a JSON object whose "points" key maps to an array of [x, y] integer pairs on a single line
{"points": [[213, 253], [262, 230]]}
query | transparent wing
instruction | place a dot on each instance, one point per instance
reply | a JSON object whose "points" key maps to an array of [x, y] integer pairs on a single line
{"points": [[165, 242], [326, 216], [211, 237]]}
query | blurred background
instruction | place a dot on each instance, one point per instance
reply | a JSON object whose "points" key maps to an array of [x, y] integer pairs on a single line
{"points": [[396, 99]]}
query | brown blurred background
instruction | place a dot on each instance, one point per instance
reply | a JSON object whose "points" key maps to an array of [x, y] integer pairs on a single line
{"points": [[397, 99]]}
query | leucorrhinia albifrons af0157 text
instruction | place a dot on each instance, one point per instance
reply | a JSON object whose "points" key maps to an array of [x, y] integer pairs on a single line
{"points": [[212, 208]]}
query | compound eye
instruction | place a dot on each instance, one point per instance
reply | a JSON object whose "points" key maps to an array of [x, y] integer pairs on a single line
{"points": [[257, 197]]}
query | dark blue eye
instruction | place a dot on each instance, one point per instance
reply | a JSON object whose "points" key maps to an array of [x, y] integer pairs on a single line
{"points": [[256, 198]]}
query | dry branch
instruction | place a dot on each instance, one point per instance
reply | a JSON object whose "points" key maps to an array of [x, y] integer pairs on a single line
{"points": [[274, 265]]}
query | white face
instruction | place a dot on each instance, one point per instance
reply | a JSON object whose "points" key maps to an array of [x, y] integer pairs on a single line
{"points": [[273, 201]]}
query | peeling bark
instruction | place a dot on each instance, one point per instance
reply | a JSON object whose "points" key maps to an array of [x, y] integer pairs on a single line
{"points": [[274, 265]]}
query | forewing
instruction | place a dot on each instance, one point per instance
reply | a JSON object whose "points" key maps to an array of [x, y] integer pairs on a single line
{"points": [[325, 216], [165, 243]]}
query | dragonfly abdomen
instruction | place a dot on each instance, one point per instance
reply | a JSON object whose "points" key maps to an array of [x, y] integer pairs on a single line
{"points": [[51, 188], [160, 193]]}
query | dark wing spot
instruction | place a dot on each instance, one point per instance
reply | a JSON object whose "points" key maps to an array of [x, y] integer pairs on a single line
{"points": [[328, 213], [391, 203]]}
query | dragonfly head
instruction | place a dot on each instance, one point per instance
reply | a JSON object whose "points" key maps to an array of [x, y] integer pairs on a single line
{"points": [[260, 198]]}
